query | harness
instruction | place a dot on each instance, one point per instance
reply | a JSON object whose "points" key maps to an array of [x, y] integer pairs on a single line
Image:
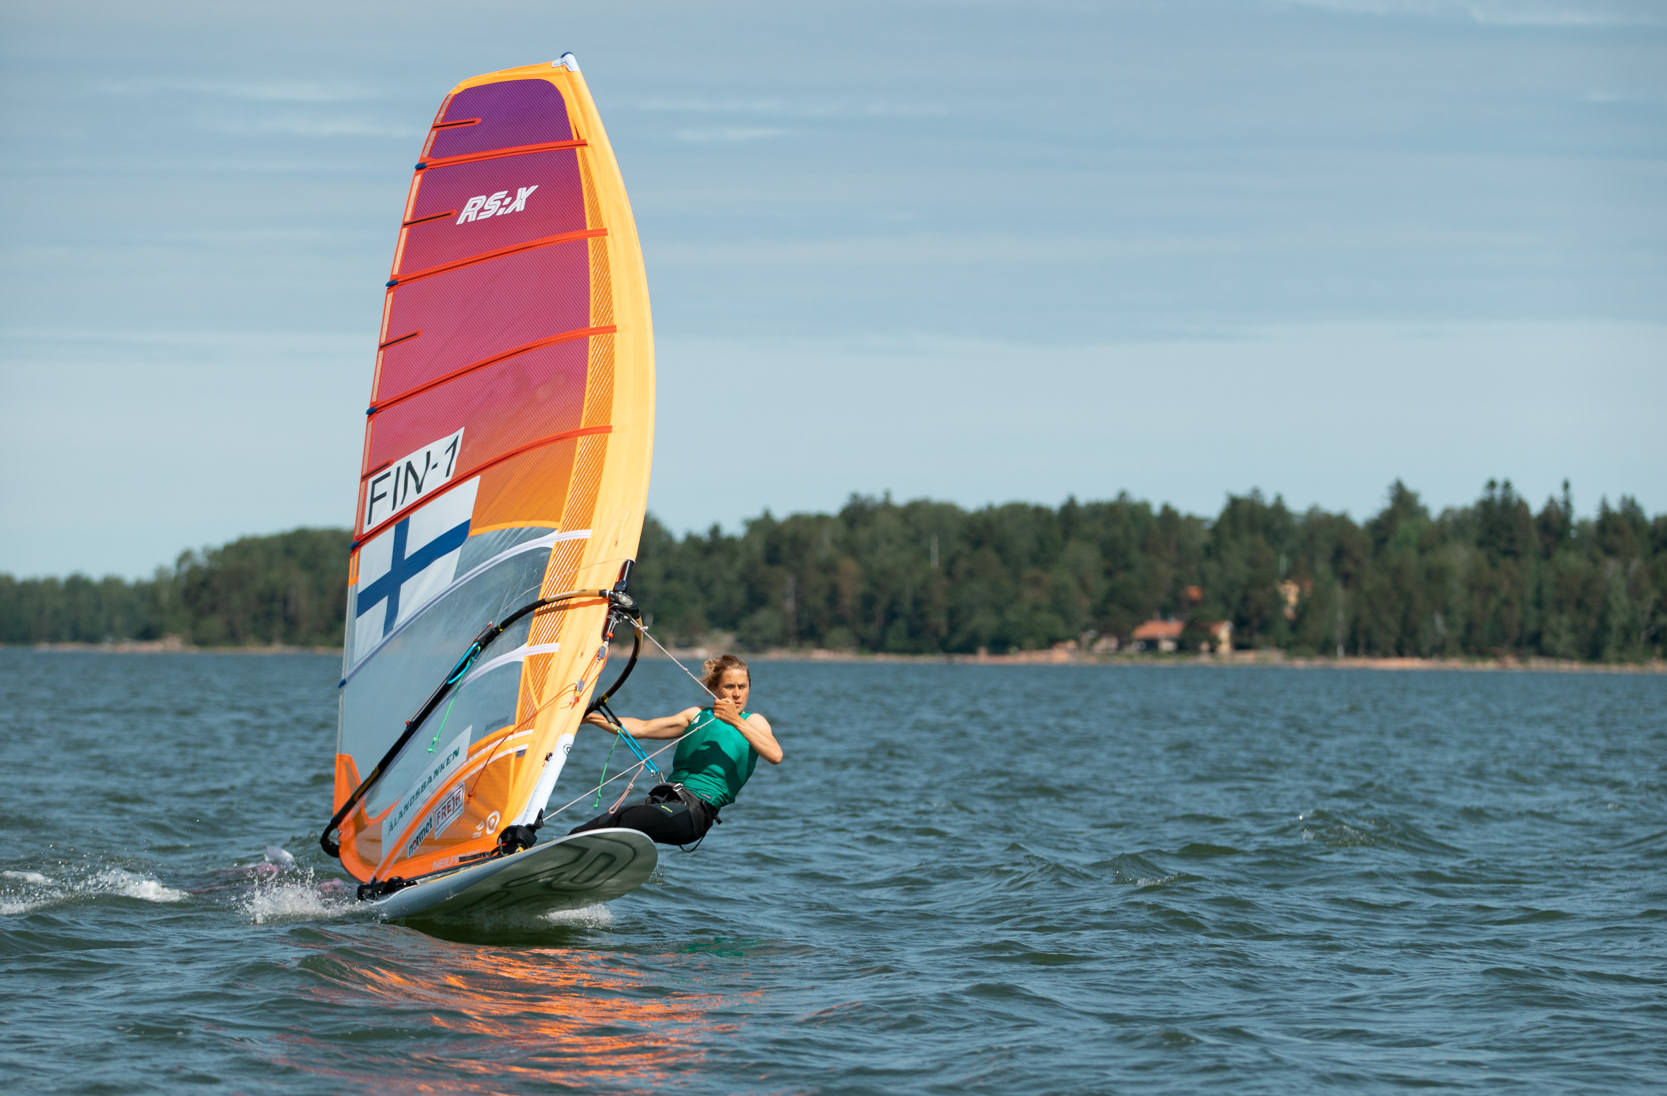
{"points": [[677, 793]]}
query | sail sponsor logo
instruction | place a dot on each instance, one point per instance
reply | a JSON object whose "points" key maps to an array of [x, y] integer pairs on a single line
{"points": [[447, 763], [438, 819], [411, 477], [404, 568], [500, 204]]}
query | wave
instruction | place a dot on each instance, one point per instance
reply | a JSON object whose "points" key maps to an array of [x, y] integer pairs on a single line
{"points": [[27, 891], [282, 901], [1337, 830], [280, 891]]}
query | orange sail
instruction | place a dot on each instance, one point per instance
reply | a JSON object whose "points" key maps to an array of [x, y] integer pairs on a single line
{"points": [[506, 460]]}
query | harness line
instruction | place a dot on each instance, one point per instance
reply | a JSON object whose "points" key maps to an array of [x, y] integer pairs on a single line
{"points": [[679, 665], [630, 741], [637, 768]]}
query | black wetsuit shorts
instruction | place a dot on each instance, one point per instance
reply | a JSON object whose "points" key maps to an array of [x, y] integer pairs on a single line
{"points": [[671, 815]]}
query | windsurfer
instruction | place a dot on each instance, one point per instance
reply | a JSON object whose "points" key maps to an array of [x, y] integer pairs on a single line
{"points": [[719, 748]]}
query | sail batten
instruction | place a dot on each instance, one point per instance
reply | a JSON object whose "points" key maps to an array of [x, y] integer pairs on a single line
{"points": [[386, 402], [507, 249], [523, 150], [506, 456]]}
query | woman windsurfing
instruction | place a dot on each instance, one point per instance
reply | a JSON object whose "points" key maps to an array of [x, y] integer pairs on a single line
{"points": [[719, 748]]}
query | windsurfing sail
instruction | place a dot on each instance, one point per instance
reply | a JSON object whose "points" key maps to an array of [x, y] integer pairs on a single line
{"points": [[506, 461]]}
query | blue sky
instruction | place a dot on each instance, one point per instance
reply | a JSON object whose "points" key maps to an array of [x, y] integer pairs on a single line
{"points": [[971, 251]]}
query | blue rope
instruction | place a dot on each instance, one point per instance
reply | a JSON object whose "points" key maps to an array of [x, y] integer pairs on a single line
{"points": [[463, 664], [638, 750], [620, 732], [453, 678]]}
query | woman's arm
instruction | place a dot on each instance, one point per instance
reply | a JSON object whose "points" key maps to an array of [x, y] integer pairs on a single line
{"points": [[667, 726], [755, 729]]}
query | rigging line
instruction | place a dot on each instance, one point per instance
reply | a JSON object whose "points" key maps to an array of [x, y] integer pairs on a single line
{"points": [[531, 718], [637, 768], [457, 673], [604, 776], [607, 643], [622, 795], [679, 665], [445, 718], [646, 759], [331, 845], [618, 726], [462, 668], [630, 664]]}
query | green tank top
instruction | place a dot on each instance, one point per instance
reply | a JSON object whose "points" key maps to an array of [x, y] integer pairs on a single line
{"points": [[714, 760]]}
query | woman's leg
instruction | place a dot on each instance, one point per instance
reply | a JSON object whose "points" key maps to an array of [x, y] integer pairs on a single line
{"points": [[600, 822], [669, 822]]}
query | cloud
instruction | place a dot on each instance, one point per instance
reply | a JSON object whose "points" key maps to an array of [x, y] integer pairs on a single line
{"points": [[725, 134], [1633, 97], [904, 110], [1505, 13], [306, 127], [22, 342], [786, 109], [732, 106], [259, 91]]}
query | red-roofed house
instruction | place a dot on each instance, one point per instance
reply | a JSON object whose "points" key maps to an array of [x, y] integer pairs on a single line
{"points": [[1165, 635]]}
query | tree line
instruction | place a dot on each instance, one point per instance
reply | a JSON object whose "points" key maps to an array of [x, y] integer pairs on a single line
{"points": [[924, 577], [288, 589], [1494, 578]]}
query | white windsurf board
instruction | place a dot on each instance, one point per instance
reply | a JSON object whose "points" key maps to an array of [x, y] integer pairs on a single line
{"points": [[568, 873]]}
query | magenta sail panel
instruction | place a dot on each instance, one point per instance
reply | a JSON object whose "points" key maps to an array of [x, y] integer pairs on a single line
{"points": [[477, 312], [515, 112], [490, 205], [530, 397]]}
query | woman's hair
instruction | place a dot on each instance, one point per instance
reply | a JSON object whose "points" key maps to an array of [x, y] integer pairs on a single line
{"points": [[715, 668]]}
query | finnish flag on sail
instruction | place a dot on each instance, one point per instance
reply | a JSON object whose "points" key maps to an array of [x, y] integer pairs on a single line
{"points": [[406, 566]]}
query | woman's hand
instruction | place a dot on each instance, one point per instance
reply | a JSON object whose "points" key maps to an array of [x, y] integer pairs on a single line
{"points": [[755, 729], [597, 719]]}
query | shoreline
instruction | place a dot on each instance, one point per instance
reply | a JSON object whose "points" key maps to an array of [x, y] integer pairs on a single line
{"points": [[1052, 657], [1264, 658], [172, 645]]}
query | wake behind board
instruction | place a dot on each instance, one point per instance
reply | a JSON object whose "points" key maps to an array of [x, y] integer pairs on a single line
{"points": [[565, 874]]}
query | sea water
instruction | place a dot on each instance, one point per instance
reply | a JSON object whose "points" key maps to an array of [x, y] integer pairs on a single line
{"points": [[963, 879]]}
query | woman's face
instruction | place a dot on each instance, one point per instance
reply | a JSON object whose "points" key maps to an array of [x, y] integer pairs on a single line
{"points": [[735, 685]]}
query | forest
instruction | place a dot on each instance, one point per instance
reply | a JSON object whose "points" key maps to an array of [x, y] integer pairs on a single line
{"points": [[1496, 578], [289, 589]]}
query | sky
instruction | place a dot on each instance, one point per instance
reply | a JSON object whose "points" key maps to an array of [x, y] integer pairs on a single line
{"points": [[972, 251]]}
